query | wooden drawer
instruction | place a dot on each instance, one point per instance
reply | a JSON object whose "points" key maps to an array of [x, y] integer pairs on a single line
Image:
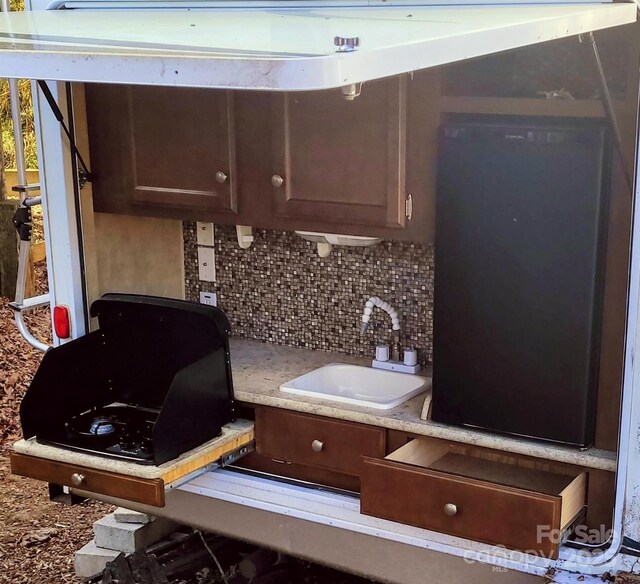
{"points": [[425, 484], [315, 441], [148, 491]]}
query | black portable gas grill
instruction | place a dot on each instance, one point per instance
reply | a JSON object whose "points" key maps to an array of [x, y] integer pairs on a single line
{"points": [[153, 382]]}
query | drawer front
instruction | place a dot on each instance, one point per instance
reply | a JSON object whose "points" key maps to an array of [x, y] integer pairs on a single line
{"points": [[483, 511], [315, 441], [147, 491]]}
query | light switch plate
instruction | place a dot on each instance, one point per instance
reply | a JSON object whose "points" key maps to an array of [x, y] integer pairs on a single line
{"points": [[210, 298], [205, 233], [206, 264]]}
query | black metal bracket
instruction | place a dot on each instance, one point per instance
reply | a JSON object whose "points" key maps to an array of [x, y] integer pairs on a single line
{"points": [[237, 454], [83, 178], [22, 222], [61, 494]]}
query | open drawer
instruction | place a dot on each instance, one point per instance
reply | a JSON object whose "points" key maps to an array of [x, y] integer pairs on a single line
{"points": [[128, 480], [428, 483]]}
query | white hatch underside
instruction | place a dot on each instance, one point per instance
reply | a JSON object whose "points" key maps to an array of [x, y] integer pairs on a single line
{"points": [[276, 49]]}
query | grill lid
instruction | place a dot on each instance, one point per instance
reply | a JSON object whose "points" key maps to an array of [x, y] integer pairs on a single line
{"points": [[155, 354]]}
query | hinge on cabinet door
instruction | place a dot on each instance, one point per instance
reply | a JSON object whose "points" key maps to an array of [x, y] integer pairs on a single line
{"points": [[408, 207]]}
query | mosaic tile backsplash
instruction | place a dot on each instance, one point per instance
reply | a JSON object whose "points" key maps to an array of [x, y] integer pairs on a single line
{"points": [[280, 291]]}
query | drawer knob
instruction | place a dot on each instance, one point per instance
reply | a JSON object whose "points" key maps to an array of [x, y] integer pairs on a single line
{"points": [[450, 509], [317, 446], [77, 479], [277, 180], [221, 177]]}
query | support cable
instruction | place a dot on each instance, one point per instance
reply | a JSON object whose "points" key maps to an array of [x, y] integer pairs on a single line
{"points": [[88, 176], [607, 102]]}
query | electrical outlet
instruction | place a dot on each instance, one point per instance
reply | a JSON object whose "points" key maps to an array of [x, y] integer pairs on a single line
{"points": [[206, 264], [205, 233], [210, 298]]}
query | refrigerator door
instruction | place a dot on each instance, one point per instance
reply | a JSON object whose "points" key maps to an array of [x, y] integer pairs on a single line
{"points": [[518, 287]]}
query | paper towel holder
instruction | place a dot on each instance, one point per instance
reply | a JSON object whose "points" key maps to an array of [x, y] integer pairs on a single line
{"points": [[325, 241]]}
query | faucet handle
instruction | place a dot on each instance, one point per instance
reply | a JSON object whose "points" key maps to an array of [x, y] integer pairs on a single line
{"points": [[410, 357], [382, 353]]}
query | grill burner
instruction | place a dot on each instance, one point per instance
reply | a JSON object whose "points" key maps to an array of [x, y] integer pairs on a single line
{"points": [[101, 426], [120, 430]]}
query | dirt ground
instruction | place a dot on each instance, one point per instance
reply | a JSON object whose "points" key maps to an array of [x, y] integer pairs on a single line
{"points": [[37, 537]]}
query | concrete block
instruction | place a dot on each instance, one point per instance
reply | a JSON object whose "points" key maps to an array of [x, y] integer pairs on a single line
{"points": [[129, 537], [122, 515], [91, 560]]}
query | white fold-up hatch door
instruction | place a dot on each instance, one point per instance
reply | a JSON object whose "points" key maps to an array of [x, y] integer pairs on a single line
{"points": [[276, 49]]}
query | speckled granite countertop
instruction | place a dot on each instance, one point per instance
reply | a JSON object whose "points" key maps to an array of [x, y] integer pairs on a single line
{"points": [[260, 368]]}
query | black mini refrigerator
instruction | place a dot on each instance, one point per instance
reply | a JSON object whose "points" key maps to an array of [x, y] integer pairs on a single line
{"points": [[520, 239]]}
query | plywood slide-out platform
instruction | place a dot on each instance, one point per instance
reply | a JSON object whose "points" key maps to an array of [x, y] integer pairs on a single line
{"points": [[122, 479]]}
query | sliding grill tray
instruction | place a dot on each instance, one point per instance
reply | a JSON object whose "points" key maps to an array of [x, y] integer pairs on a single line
{"points": [[92, 475]]}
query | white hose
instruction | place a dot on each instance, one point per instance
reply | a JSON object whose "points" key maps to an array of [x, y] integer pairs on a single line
{"points": [[374, 301]]}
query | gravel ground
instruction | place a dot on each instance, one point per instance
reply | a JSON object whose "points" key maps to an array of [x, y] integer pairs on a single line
{"points": [[37, 538]]}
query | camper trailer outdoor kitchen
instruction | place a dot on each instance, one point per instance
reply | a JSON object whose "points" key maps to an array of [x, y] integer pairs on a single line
{"points": [[417, 222]]}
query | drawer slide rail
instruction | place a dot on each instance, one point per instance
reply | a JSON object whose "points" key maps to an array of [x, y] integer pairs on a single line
{"points": [[224, 461]]}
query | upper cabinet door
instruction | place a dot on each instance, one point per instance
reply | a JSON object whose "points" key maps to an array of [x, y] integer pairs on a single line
{"points": [[175, 147], [341, 162]]}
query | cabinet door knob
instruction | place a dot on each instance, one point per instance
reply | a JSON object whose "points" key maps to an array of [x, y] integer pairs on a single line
{"points": [[221, 177], [317, 446], [77, 479], [450, 509], [277, 180]]}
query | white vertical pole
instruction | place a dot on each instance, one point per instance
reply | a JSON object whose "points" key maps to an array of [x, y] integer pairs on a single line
{"points": [[58, 206]]}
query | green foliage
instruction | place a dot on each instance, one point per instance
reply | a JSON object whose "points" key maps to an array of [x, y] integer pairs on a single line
{"points": [[8, 147]]}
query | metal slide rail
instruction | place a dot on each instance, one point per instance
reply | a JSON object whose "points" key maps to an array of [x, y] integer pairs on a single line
{"points": [[21, 305]]}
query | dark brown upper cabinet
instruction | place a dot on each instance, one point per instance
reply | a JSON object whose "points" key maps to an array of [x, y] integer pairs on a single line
{"points": [[297, 161], [340, 162], [162, 148]]}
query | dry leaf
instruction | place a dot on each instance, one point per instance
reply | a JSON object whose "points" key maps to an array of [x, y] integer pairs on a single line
{"points": [[37, 537]]}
